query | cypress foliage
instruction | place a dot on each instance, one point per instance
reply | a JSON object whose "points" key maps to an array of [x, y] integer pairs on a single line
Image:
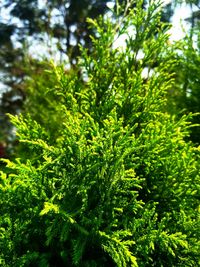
{"points": [[119, 185]]}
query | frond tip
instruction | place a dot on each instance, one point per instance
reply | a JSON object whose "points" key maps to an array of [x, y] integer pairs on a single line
{"points": [[118, 249]]}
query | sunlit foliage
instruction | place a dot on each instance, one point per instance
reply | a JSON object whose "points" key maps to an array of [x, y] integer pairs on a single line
{"points": [[118, 185]]}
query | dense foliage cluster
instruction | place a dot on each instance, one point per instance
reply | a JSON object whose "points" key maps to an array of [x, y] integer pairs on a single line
{"points": [[106, 178]]}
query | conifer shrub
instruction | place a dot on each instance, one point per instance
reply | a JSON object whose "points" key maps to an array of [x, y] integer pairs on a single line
{"points": [[119, 185]]}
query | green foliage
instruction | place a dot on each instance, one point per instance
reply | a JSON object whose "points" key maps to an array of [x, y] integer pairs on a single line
{"points": [[117, 185], [33, 29], [185, 96]]}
